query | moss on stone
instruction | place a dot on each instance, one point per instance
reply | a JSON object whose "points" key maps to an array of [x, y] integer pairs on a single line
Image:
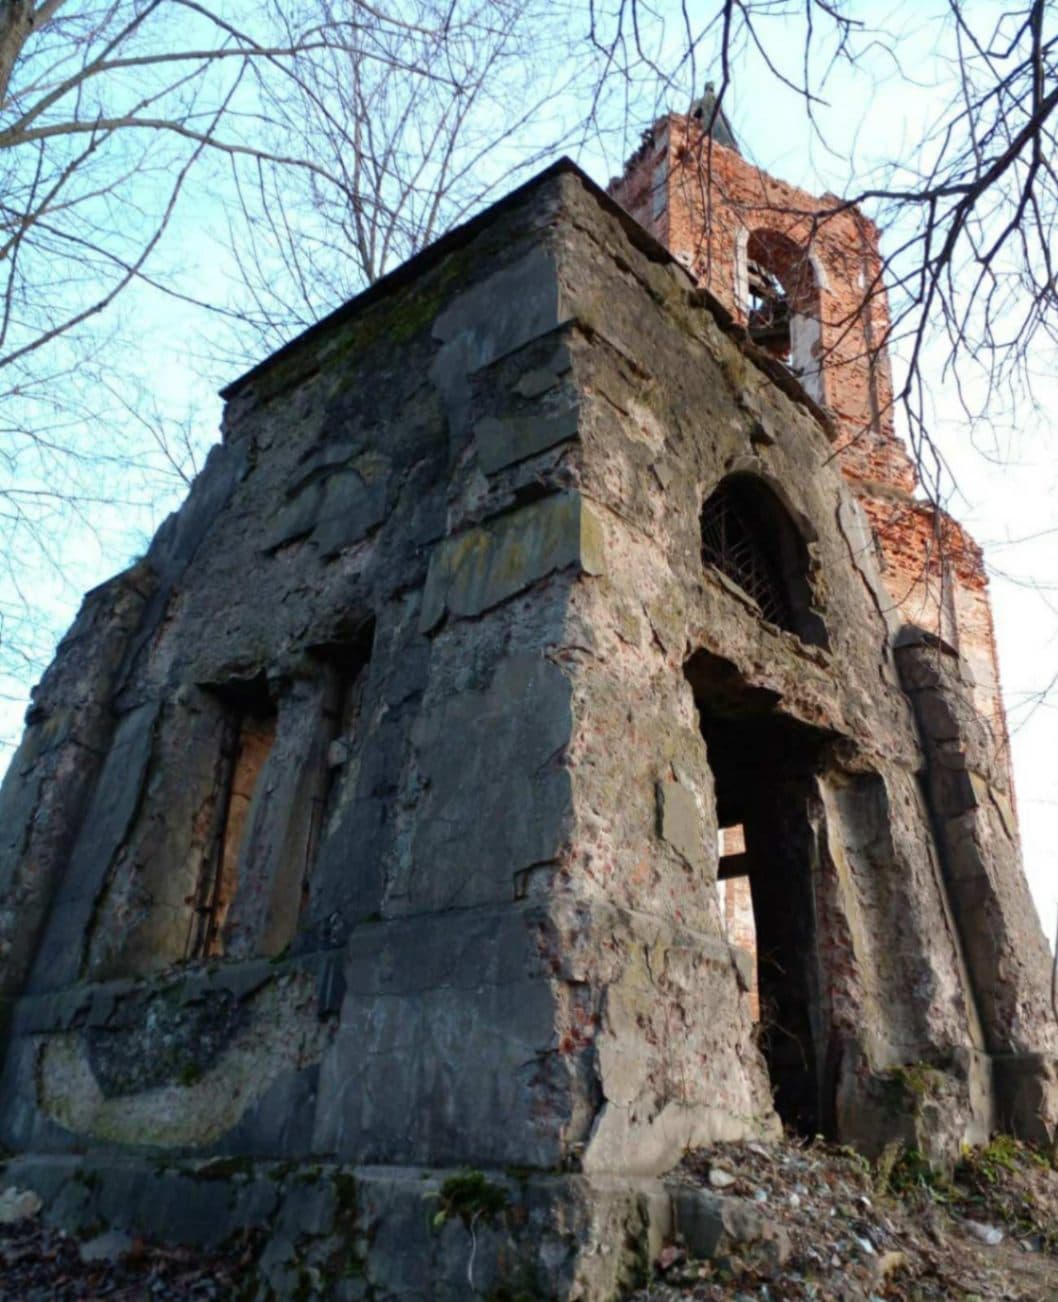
{"points": [[471, 1197], [909, 1086]]}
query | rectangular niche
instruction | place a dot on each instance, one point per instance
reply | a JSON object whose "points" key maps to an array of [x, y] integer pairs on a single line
{"points": [[345, 665], [287, 764], [249, 736], [313, 771]]}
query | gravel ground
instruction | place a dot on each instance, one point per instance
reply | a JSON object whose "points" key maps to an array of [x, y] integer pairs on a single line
{"points": [[856, 1233], [38, 1264]]}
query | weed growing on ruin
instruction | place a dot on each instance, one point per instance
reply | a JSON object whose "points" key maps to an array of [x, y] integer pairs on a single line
{"points": [[473, 1199], [907, 1173], [1002, 1156], [470, 1197], [1000, 1182]]}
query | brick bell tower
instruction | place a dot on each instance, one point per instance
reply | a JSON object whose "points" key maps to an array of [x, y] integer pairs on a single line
{"points": [[801, 277]]}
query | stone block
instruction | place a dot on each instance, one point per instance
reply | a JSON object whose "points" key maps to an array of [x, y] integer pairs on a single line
{"points": [[937, 1111], [348, 881], [698, 1220], [539, 379], [504, 311], [280, 1122], [356, 1232], [496, 750], [559, 1237], [1026, 1091], [176, 543], [114, 801], [659, 1093], [503, 441], [712, 1225], [354, 502], [680, 823], [338, 508], [478, 569], [456, 1014], [320, 461]]}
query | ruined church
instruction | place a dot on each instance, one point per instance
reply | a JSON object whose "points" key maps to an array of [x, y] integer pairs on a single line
{"points": [[551, 735]]}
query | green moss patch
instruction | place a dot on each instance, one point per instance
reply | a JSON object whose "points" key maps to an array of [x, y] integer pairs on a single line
{"points": [[470, 1197]]}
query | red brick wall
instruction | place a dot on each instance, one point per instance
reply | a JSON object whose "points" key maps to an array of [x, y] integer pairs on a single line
{"points": [[709, 195], [935, 573]]}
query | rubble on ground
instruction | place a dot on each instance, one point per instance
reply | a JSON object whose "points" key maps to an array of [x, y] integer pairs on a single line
{"points": [[41, 1264], [814, 1221]]}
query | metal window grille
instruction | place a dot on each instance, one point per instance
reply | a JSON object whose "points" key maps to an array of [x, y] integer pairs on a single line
{"points": [[735, 538]]}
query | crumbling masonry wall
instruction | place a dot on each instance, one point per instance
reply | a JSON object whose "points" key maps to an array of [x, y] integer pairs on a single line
{"points": [[707, 204], [394, 846]]}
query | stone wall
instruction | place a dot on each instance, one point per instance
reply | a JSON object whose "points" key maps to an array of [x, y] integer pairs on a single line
{"points": [[410, 740], [704, 202], [675, 408], [343, 542]]}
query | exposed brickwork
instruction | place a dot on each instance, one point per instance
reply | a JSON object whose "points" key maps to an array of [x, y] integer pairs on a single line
{"points": [[715, 210], [935, 573], [713, 202]]}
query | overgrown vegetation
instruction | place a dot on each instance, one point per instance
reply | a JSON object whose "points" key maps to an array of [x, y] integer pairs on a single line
{"points": [[1002, 1183], [905, 1172], [998, 1184], [895, 1228]]}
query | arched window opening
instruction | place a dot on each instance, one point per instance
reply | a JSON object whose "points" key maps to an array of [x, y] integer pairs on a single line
{"points": [[768, 312], [783, 304], [750, 538]]}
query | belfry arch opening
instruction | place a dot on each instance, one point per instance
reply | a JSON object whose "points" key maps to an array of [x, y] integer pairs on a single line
{"points": [[749, 536], [783, 307], [764, 767]]}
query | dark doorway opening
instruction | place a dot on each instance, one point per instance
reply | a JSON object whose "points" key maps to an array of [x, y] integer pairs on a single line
{"points": [[764, 766]]}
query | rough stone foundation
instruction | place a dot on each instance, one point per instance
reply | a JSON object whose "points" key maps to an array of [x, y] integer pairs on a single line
{"points": [[352, 1233]]}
